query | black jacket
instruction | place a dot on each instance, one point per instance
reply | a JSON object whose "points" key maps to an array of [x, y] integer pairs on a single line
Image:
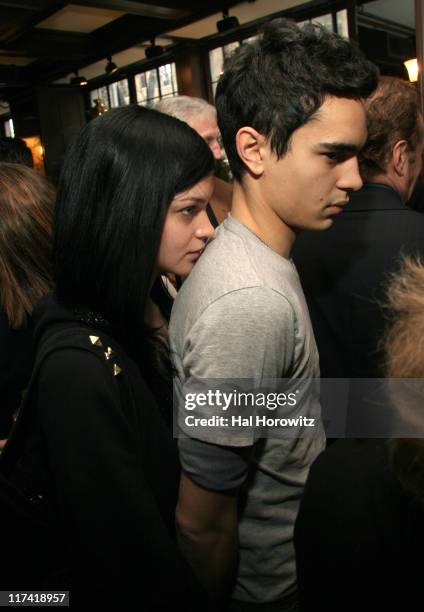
{"points": [[103, 457], [359, 535], [16, 358], [344, 271]]}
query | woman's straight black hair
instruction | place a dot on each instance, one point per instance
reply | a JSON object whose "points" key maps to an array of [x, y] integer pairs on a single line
{"points": [[117, 182]]}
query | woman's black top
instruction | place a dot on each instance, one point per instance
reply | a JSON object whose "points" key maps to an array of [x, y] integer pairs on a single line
{"points": [[16, 359], [102, 456]]}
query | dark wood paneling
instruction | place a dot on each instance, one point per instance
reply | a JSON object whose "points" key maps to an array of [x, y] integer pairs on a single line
{"points": [[191, 75], [62, 116]]}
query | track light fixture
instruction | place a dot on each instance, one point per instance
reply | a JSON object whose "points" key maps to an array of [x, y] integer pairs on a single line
{"points": [[78, 80], [153, 50], [110, 67], [227, 22]]}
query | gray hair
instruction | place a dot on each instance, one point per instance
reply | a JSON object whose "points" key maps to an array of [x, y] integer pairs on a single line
{"points": [[184, 107]]}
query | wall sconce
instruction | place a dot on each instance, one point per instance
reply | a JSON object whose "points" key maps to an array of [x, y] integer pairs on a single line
{"points": [[412, 67]]}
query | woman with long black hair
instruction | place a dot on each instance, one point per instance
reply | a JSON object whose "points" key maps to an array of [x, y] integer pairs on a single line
{"points": [[130, 207]]}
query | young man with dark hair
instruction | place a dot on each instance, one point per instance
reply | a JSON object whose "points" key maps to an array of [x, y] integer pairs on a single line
{"points": [[291, 116], [346, 287]]}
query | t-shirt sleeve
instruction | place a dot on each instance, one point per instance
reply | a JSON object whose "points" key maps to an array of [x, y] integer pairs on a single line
{"points": [[230, 464], [247, 334]]}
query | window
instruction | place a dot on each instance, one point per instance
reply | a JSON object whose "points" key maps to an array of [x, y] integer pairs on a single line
{"points": [[155, 84], [119, 94], [168, 80], [327, 22], [250, 39], [218, 55], [342, 23], [332, 21], [9, 128], [113, 95], [217, 58]]}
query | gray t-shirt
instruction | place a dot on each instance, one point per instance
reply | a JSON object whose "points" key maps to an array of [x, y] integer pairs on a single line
{"points": [[241, 314]]}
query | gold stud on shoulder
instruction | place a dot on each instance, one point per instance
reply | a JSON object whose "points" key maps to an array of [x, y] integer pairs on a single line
{"points": [[95, 340]]}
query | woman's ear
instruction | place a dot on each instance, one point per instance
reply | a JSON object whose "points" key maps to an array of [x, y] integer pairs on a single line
{"points": [[250, 148]]}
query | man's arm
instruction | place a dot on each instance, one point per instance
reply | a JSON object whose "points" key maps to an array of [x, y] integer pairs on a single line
{"points": [[208, 535], [247, 334]]}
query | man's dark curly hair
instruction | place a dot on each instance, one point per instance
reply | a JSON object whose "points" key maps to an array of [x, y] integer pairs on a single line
{"points": [[279, 81]]}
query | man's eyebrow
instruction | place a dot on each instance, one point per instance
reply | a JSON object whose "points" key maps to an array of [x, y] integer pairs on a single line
{"points": [[340, 147]]}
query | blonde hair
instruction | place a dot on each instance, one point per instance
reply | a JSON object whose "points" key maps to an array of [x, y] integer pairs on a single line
{"points": [[404, 349]]}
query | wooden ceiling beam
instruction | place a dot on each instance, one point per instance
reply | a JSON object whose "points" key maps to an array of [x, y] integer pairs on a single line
{"points": [[16, 23], [27, 5], [141, 9], [130, 30], [47, 44], [58, 53], [127, 31], [162, 9], [137, 6]]}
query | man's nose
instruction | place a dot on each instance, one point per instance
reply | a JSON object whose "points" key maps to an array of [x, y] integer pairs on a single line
{"points": [[216, 149], [350, 179]]}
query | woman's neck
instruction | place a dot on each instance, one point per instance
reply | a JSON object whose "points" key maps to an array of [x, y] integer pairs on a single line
{"points": [[154, 318]]}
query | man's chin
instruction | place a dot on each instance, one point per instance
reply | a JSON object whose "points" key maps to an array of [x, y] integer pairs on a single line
{"points": [[327, 223], [318, 226]]}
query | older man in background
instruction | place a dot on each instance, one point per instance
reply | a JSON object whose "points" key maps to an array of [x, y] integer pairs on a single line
{"points": [[201, 116]]}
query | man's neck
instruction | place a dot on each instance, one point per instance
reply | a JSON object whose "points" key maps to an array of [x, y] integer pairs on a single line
{"points": [[386, 179], [250, 209], [220, 201]]}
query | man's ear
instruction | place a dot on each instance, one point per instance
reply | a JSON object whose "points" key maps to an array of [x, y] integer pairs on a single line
{"points": [[250, 145], [400, 157]]}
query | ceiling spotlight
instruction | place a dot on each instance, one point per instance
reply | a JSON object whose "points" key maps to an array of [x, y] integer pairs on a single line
{"points": [[153, 50], [78, 80], [110, 67], [227, 22]]}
